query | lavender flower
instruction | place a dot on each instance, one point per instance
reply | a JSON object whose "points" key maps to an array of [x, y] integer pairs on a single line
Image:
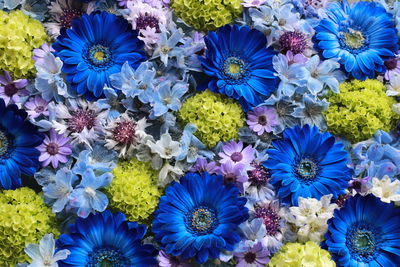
{"points": [[54, 149], [39, 54], [392, 68], [166, 260], [235, 153], [36, 106], [253, 3], [11, 91], [233, 173], [262, 119], [202, 165], [255, 255]]}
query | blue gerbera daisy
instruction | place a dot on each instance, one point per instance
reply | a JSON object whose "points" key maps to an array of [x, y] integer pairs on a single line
{"points": [[18, 142], [362, 36], [199, 217], [307, 163], [365, 232], [106, 239], [239, 64], [95, 47]]}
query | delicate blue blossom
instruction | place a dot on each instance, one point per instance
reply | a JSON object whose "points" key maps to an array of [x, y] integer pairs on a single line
{"points": [[191, 146], [168, 97], [310, 111]]}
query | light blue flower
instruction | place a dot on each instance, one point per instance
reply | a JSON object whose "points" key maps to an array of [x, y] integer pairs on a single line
{"points": [[191, 146], [111, 103], [34, 8], [311, 111], [58, 192], [168, 97], [284, 107], [86, 197], [11, 4], [139, 82], [168, 48]]}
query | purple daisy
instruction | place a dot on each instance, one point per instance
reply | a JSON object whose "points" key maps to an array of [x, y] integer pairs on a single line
{"points": [[202, 165], [262, 119], [165, 260], [10, 91], [234, 173], [40, 54], [54, 149], [392, 67], [255, 255], [37, 106], [234, 152]]}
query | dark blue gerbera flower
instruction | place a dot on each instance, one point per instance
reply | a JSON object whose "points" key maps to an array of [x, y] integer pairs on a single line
{"points": [[106, 239], [95, 47], [365, 232], [239, 64], [18, 142], [307, 163], [362, 36], [199, 217]]}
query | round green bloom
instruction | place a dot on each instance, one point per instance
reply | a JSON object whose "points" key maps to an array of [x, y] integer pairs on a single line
{"points": [[134, 190], [19, 35], [361, 108], [217, 117], [207, 15], [306, 255], [24, 219]]}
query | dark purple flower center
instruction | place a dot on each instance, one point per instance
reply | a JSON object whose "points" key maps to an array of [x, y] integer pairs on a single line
{"points": [[314, 3], [68, 15], [259, 175], [270, 217], [81, 119], [3, 144], [391, 64], [39, 109], [262, 120], [237, 156], [293, 41], [250, 257], [342, 200], [52, 148], [143, 22], [124, 132], [10, 90]]}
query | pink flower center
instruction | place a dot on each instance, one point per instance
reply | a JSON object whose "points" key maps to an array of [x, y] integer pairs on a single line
{"points": [[293, 41], [237, 156], [259, 175], [10, 90], [68, 15], [52, 148], [125, 132], [144, 21], [81, 119], [270, 217]]}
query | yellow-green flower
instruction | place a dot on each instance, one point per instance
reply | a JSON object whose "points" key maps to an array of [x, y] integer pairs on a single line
{"points": [[24, 219], [134, 190], [207, 15], [19, 35], [217, 117], [361, 108], [304, 255]]}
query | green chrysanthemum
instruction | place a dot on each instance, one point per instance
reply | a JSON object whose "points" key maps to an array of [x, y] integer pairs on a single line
{"points": [[217, 117], [19, 35], [24, 219], [361, 108], [207, 15], [306, 255], [134, 190]]}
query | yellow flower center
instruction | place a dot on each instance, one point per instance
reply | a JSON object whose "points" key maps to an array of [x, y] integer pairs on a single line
{"points": [[354, 39], [99, 55]]}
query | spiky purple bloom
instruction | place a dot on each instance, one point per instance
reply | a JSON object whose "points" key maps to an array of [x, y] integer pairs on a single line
{"points": [[262, 119], [235, 153], [54, 149], [10, 91], [294, 41], [255, 255]]}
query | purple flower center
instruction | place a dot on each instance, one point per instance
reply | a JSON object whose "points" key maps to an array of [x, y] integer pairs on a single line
{"points": [[314, 3], [143, 22], [259, 175], [39, 109], [3, 144], [52, 148], [125, 132], [270, 217], [262, 120], [10, 90], [81, 119], [250, 257], [237, 156], [293, 41], [391, 64], [68, 15]]}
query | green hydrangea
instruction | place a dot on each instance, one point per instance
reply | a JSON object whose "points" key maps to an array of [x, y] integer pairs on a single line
{"points": [[217, 117], [24, 219], [19, 35], [361, 108], [207, 15], [133, 190], [305, 255]]}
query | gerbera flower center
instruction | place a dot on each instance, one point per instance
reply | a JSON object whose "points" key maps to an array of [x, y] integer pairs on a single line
{"points": [[81, 119], [201, 221], [353, 39], [236, 156], [307, 169], [3, 144], [107, 257], [294, 41], [68, 15], [271, 218], [235, 68], [144, 21], [362, 242], [99, 55], [10, 90], [259, 175], [250, 257], [124, 132], [52, 148]]}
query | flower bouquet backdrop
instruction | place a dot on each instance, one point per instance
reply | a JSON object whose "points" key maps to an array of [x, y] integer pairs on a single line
{"points": [[181, 133]]}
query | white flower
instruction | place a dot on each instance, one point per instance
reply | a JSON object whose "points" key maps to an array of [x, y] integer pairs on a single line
{"points": [[385, 189], [165, 147], [43, 255], [393, 88]]}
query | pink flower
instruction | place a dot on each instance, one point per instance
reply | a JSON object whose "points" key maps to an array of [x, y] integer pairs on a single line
{"points": [[235, 153], [54, 149], [36, 106], [262, 119]]}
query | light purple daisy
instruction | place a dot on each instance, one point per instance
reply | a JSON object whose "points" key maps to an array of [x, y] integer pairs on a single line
{"points": [[234, 152], [392, 67], [10, 91], [295, 58], [253, 3], [39, 54], [234, 173], [262, 119], [37, 106], [202, 165], [54, 149], [255, 255], [166, 260]]}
